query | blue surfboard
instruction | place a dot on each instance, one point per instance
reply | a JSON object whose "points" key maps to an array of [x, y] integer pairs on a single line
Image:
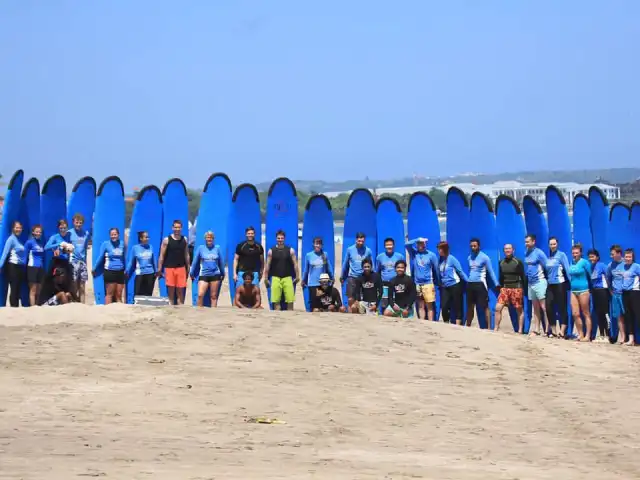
{"points": [[582, 222], [360, 216], [10, 213], [635, 229], [536, 224], [29, 217], [215, 205], [389, 224], [422, 221], [510, 229], [53, 208], [318, 222], [244, 213], [619, 232], [282, 214], [483, 227], [458, 218], [82, 201], [599, 221], [146, 217], [109, 213], [175, 205]]}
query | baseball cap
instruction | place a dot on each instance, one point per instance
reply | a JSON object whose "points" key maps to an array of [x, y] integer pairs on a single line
{"points": [[324, 277]]}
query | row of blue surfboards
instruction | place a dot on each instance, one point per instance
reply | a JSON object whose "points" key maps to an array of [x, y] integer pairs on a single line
{"points": [[228, 212]]}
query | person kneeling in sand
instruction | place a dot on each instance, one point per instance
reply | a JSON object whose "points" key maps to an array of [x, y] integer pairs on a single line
{"points": [[57, 287], [327, 297], [367, 293], [248, 294], [402, 293]]}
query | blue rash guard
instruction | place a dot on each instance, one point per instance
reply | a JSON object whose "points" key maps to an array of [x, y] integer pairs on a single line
{"points": [[207, 261], [352, 265], [13, 251], [479, 267], [424, 265], [631, 277], [535, 261], [615, 274], [34, 253], [580, 273], [54, 244], [80, 240], [314, 265], [142, 260], [111, 255], [451, 271], [599, 275], [557, 268], [386, 265]]}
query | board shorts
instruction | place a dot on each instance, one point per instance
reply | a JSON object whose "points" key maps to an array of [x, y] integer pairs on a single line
{"points": [[209, 278], [351, 287], [79, 272], [617, 306], [511, 296], [113, 276], [35, 274], [398, 314], [256, 278], [537, 291], [364, 308], [427, 291], [176, 277], [477, 295], [282, 286]]}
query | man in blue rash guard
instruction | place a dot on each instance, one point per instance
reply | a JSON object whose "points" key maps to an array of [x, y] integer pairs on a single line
{"points": [[386, 268], [535, 262], [477, 288], [425, 273], [314, 264], [79, 238], [600, 295], [615, 278], [631, 294], [352, 265]]}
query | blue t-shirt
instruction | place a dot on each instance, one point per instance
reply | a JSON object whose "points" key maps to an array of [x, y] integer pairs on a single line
{"points": [[599, 275], [615, 274], [479, 267], [34, 252], [580, 273], [54, 244], [451, 271], [111, 256], [557, 268], [386, 265], [80, 240], [142, 260], [13, 251], [313, 266], [535, 261], [207, 261], [424, 265], [631, 277], [352, 265]]}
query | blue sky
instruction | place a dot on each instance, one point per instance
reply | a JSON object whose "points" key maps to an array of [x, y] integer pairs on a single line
{"points": [[149, 90]]}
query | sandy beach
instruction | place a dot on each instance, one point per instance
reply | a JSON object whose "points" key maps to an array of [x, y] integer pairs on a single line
{"points": [[126, 392]]}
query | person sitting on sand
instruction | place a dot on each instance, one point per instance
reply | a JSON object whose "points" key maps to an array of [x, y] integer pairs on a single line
{"points": [[248, 294], [57, 287], [327, 297], [402, 293]]}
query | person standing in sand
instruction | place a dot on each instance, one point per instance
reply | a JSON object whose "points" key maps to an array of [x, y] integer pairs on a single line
{"points": [[13, 262], [174, 259], [557, 273], [580, 272], [424, 271], [512, 282], [615, 278], [249, 257], [208, 266], [477, 286], [79, 238], [600, 295], [535, 262], [34, 256], [630, 295], [111, 257], [315, 263], [352, 265], [451, 278], [247, 294], [281, 273], [386, 268]]}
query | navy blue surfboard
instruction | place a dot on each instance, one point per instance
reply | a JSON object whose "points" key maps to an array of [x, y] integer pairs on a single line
{"points": [[619, 232], [53, 208], [10, 214], [422, 221], [282, 214], [360, 216], [536, 224], [244, 212], [483, 227], [318, 222], [146, 217], [175, 205], [82, 201], [582, 222], [510, 229], [29, 217], [458, 218], [599, 221], [213, 216], [109, 213]]}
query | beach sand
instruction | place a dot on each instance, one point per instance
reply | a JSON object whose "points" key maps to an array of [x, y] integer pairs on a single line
{"points": [[122, 392]]}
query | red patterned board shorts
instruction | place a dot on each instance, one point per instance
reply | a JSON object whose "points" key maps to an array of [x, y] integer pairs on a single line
{"points": [[511, 296]]}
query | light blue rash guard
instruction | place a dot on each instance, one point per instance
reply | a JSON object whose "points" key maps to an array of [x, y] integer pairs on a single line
{"points": [[142, 260], [34, 253], [599, 275], [535, 261], [386, 265], [557, 268], [352, 265], [207, 261], [80, 240], [54, 244], [451, 271], [479, 267], [580, 273], [631, 277], [111, 255], [615, 274], [314, 265], [13, 251], [424, 265]]}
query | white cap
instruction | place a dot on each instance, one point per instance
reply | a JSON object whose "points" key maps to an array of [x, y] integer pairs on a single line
{"points": [[325, 276]]}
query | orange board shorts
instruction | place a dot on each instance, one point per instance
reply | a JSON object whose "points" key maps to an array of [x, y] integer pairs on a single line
{"points": [[511, 296], [176, 277]]}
